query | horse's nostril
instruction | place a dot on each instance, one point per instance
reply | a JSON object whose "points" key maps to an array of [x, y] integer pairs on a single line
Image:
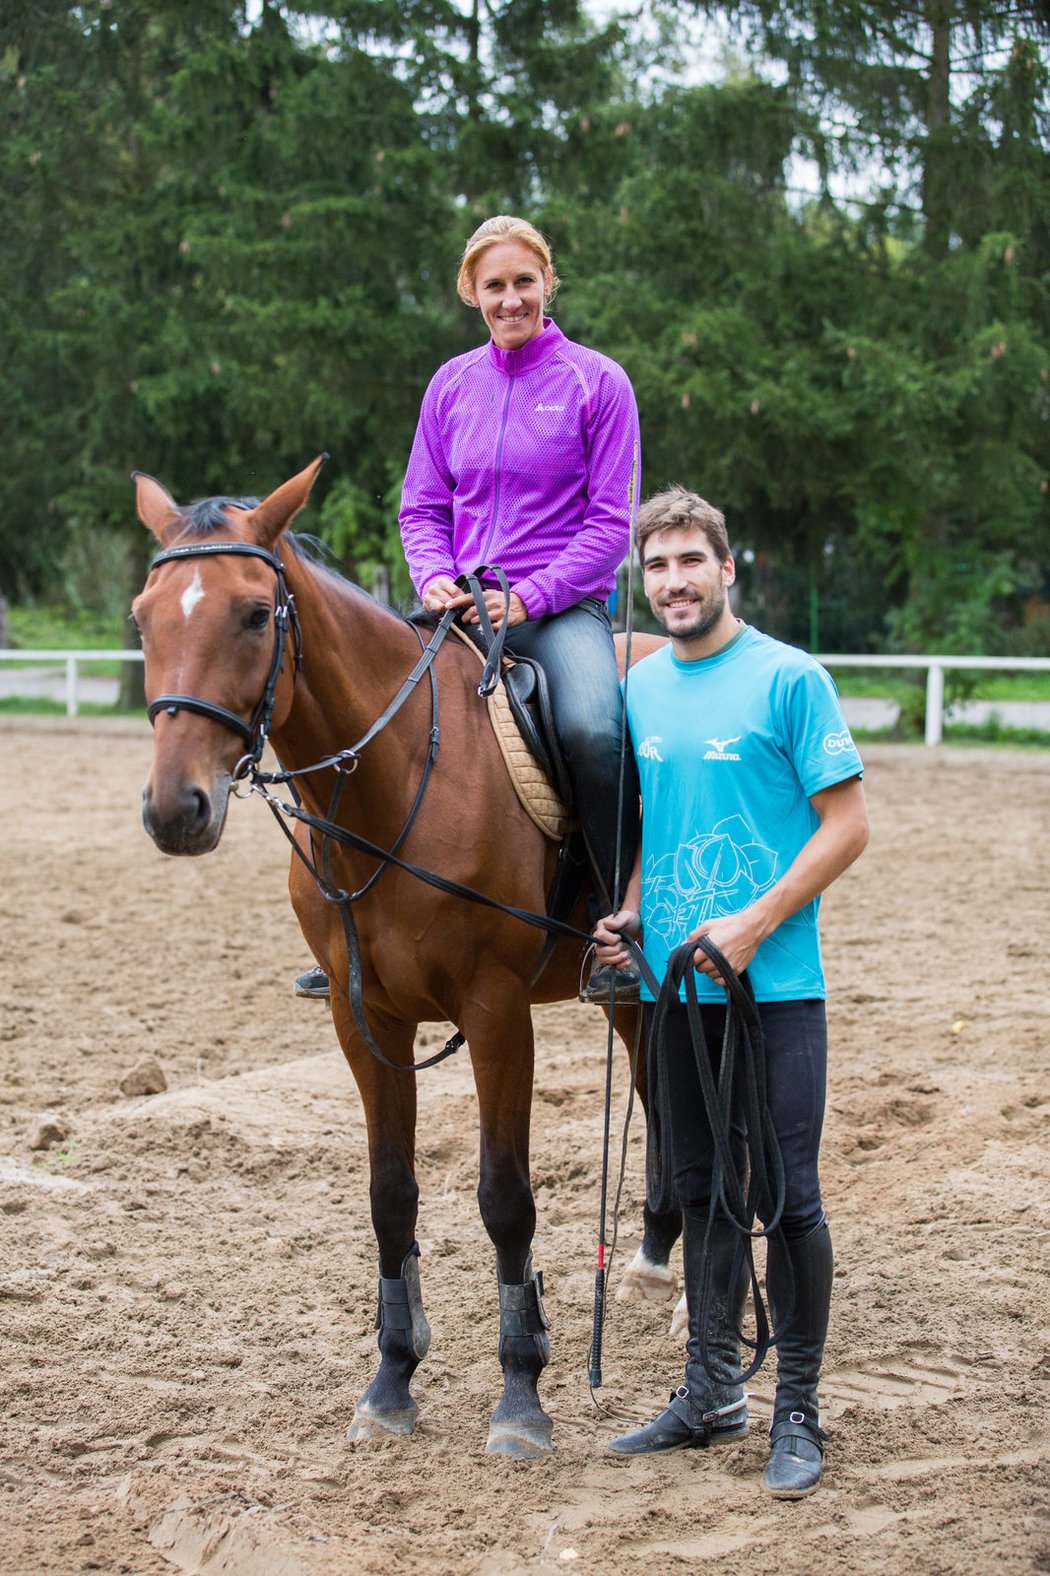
{"points": [[198, 809]]}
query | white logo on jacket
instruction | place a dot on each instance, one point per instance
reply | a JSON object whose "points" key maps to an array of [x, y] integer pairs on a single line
{"points": [[550, 407], [647, 749]]}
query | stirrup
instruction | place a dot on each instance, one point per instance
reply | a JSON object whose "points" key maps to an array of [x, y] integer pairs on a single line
{"points": [[598, 989]]}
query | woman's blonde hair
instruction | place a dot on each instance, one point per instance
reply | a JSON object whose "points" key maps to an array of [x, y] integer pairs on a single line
{"points": [[503, 227]]}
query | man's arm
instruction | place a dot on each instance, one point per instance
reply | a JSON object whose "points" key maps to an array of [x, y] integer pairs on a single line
{"points": [[609, 932], [839, 839]]}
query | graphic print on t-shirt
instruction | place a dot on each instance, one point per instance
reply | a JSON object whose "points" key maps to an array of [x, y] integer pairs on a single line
{"points": [[715, 873]]}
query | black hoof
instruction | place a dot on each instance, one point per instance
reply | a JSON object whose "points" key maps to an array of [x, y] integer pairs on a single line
{"points": [[524, 1439], [368, 1423]]}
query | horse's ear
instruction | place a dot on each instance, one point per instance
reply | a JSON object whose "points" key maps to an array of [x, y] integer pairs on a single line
{"points": [[156, 507], [269, 518]]}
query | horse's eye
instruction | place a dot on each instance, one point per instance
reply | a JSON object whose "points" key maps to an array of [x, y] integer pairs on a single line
{"points": [[258, 618]]}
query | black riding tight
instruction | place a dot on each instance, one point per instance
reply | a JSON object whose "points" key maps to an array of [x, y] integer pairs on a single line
{"points": [[796, 1044]]}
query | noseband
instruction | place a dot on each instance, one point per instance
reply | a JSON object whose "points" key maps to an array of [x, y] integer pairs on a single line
{"points": [[256, 732]]}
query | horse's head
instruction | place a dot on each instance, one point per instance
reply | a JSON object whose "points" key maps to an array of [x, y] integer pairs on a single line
{"points": [[213, 616]]}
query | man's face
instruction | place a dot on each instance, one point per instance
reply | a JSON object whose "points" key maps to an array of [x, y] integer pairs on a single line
{"points": [[685, 583]]}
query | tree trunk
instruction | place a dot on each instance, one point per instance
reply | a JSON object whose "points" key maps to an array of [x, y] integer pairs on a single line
{"points": [[937, 161]]}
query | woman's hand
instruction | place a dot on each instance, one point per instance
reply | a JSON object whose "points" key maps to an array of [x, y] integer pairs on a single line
{"points": [[609, 933], [494, 606], [443, 593]]}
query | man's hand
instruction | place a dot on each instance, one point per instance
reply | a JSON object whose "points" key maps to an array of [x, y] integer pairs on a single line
{"points": [[737, 938], [609, 933]]}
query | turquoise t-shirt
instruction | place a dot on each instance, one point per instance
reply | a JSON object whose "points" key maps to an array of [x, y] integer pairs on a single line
{"points": [[730, 749]]}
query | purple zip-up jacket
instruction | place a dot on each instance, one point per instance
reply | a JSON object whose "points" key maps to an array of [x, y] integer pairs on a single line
{"points": [[524, 459]]}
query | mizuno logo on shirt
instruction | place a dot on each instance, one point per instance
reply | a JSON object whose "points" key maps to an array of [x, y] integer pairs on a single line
{"points": [[647, 749], [720, 750]]}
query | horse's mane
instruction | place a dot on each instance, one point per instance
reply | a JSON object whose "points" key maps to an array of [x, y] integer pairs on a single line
{"points": [[209, 514]]}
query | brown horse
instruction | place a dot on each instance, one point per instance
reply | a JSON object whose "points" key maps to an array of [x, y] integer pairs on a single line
{"points": [[219, 676]]}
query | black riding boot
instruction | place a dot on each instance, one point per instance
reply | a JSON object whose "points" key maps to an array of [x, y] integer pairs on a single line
{"points": [[802, 1288], [710, 1407]]}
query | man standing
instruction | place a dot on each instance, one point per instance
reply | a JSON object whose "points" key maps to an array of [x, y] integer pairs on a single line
{"points": [[751, 805]]}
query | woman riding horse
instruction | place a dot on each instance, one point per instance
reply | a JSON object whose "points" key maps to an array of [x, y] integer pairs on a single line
{"points": [[526, 457], [246, 641]]}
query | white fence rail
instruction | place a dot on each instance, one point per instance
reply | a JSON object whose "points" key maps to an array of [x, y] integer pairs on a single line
{"points": [[70, 660], [935, 670]]}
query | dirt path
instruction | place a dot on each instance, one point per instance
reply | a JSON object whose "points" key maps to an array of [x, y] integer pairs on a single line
{"points": [[187, 1279]]}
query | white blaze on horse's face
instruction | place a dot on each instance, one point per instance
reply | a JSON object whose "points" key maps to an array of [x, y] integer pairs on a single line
{"points": [[193, 593]]}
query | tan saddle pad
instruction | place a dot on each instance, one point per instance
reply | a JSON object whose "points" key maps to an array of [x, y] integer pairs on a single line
{"points": [[541, 803]]}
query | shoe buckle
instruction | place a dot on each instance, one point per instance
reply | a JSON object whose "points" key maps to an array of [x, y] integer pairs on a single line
{"points": [[797, 1417], [681, 1394]]}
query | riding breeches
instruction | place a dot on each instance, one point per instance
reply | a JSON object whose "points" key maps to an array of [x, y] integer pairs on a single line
{"points": [[795, 1034], [575, 650]]}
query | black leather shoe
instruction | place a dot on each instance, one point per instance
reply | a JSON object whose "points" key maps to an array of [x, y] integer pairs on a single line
{"points": [[681, 1426], [598, 988], [314, 984], [797, 1458]]}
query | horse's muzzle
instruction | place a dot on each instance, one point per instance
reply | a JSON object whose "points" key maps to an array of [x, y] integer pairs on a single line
{"points": [[187, 819]]}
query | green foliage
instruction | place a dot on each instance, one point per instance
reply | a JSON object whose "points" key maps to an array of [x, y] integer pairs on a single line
{"points": [[48, 628], [229, 244]]}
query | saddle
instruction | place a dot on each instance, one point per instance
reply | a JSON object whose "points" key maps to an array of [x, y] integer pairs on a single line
{"points": [[520, 713]]}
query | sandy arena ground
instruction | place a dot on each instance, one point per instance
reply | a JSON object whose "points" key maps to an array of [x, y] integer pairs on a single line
{"points": [[187, 1279]]}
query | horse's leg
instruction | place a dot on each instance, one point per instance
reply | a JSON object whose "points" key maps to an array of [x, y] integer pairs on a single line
{"points": [[648, 1275], [403, 1334], [501, 1046]]}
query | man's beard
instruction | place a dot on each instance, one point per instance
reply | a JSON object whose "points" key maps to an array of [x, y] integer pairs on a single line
{"points": [[707, 616]]}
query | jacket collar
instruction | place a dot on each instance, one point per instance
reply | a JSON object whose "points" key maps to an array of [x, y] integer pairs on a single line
{"points": [[532, 354]]}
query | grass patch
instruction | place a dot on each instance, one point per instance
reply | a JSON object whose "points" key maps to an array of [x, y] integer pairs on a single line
{"points": [[89, 667], [994, 732], [959, 683], [41, 706], [53, 629], [965, 735]]}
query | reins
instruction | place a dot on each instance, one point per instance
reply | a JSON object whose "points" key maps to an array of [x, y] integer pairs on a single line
{"points": [[740, 1087]]}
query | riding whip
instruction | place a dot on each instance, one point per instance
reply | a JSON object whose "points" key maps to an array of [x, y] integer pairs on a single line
{"points": [[602, 1266]]}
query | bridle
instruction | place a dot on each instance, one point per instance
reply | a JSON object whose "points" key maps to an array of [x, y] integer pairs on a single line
{"points": [[255, 732]]}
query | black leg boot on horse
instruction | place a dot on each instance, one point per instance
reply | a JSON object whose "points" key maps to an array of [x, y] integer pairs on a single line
{"points": [[404, 1340], [799, 1276], [519, 1426], [710, 1407]]}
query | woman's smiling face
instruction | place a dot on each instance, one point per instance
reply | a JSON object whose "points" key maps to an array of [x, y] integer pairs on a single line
{"points": [[511, 288]]}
